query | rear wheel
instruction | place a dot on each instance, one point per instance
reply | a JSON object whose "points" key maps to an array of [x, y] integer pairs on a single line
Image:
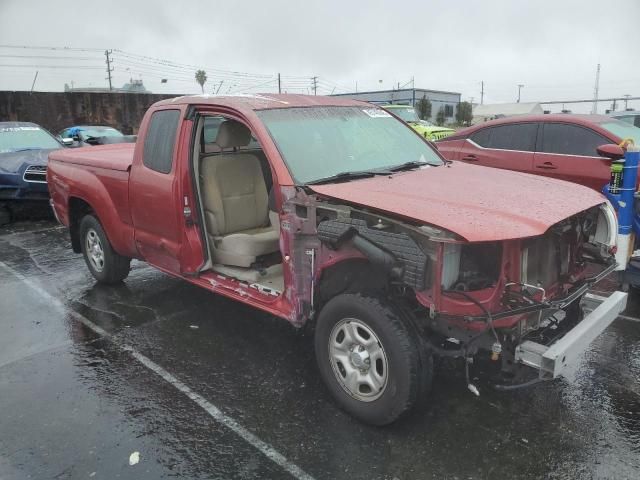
{"points": [[370, 358], [103, 262]]}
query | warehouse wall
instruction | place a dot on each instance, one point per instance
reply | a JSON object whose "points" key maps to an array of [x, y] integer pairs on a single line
{"points": [[55, 111]]}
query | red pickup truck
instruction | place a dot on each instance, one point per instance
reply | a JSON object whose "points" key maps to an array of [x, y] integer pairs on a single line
{"points": [[333, 212]]}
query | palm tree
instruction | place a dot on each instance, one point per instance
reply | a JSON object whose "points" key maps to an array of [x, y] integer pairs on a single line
{"points": [[201, 78]]}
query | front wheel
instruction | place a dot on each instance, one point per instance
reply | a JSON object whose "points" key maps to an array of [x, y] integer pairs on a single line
{"points": [[103, 262], [370, 358]]}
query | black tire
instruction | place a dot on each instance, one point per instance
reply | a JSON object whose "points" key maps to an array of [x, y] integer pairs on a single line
{"points": [[114, 267], [408, 363]]}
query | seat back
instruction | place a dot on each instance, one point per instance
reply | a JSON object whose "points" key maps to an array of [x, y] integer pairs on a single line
{"points": [[234, 192]]}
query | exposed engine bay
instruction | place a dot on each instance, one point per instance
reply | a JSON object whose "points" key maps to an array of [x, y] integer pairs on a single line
{"points": [[467, 288]]}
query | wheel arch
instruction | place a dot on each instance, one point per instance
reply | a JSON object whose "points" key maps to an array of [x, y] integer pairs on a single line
{"points": [[77, 209], [351, 275]]}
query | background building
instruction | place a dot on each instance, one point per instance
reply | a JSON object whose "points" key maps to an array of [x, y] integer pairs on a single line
{"points": [[483, 113], [410, 96], [134, 86]]}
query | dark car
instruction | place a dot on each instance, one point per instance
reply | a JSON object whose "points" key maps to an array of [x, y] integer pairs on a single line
{"points": [[24, 148], [559, 145], [85, 135]]}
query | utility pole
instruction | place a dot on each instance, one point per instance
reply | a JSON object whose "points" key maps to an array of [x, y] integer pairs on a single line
{"points": [[482, 92], [519, 88], [279, 88], [109, 69], [626, 100], [315, 85], [595, 91]]}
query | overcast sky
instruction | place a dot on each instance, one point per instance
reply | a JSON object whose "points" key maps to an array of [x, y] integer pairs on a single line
{"points": [[552, 47]]}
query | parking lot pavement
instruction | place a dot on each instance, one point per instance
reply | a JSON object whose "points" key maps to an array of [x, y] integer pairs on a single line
{"points": [[202, 387]]}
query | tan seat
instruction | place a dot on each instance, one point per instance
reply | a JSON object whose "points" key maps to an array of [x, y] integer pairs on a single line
{"points": [[236, 201]]}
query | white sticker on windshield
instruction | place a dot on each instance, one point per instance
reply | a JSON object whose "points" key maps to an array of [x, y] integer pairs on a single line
{"points": [[17, 129], [376, 112]]}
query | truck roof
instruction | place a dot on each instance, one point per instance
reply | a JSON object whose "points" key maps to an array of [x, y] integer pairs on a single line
{"points": [[263, 101]]}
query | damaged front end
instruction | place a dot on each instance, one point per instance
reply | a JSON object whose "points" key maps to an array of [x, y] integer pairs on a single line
{"points": [[512, 302], [506, 301]]}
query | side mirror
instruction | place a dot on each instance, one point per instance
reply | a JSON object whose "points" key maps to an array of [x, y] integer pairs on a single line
{"points": [[611, 151], [67, 142]]}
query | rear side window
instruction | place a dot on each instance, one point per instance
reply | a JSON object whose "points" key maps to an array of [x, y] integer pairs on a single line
{"points": [[632, 119], [160, 140], [519, 136], [481, 137], [210, 135], [570, 140], [210, 128]]}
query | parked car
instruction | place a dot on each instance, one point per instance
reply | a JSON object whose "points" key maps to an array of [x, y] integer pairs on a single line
{"points": [[24, 147], [561, 146], [84, 135], [337, 215], [425, 128], [629, 116]]}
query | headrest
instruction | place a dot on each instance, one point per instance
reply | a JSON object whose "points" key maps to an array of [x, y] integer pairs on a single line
{"points": [[233, 134]]}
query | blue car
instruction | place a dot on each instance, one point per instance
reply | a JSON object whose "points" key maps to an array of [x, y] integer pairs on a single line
{"points": [[24, 148], [85, 135]]}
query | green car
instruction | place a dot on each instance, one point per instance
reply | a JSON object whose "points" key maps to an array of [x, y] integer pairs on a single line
{"points": [[427, 129]]}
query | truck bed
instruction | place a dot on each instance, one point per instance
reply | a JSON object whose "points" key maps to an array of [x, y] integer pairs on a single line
{"points": [[112, 157]]}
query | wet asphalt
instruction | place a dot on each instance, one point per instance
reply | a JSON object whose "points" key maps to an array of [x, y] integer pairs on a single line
{"points": [[76, 404]]}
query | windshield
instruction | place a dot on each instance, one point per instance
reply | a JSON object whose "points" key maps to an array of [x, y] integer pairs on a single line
{"points": [[321, 142], [622, 130], [408, 114], [13, 139], [87, 132]]}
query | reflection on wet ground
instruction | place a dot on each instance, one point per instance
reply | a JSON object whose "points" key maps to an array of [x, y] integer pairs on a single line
{"points": [[75, 405]]}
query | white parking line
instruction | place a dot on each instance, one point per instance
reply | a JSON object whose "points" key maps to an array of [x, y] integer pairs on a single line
{"points": [[266, 449]]}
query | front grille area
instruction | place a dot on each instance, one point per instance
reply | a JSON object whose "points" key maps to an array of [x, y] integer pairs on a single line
{"points": [[440, 135], [544, 260], [35, 174]]}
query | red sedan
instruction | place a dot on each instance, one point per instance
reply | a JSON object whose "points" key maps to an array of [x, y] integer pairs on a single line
{"points": [[559, 145]]}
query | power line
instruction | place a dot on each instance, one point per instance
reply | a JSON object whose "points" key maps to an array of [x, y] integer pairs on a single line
{"points": [[75, 67], [189, 67], [47, 57], [184, 71], [611, 99], [31, 47], [176, 71]]}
